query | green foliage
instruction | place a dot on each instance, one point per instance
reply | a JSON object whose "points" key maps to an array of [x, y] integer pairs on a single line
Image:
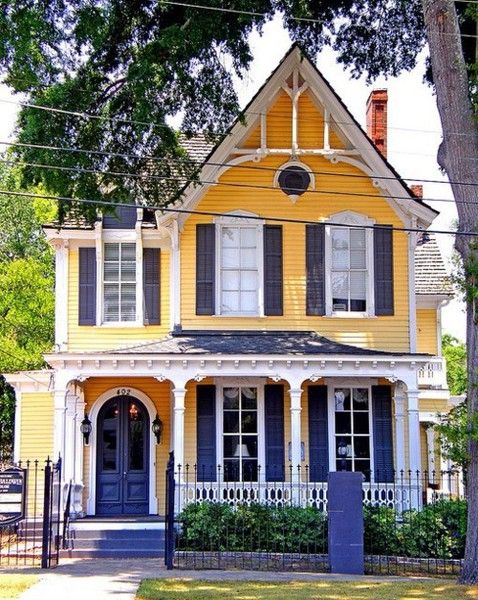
{"points": [[436, 531], [454, 352], [455, 430], [26, 292], [249, 528], [144, 61]]}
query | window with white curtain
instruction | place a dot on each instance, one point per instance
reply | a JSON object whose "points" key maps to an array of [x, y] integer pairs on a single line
{"points": [[119, 282], [349, 269], [239, 270]]}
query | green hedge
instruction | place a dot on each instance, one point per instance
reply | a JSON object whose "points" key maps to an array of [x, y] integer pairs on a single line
{"points": [[251, 528], [437, 531]]}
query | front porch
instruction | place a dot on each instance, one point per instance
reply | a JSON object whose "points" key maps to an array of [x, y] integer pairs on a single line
{"points": [[266, 424]]}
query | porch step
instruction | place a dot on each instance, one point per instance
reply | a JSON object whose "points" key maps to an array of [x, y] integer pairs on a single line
{"points": [[115, 539]]}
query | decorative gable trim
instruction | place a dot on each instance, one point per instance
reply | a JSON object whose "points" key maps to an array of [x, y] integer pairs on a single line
{"points": [[336, 113]]}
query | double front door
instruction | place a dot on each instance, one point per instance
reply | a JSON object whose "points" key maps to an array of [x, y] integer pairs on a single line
{"points": [[122, 480]]}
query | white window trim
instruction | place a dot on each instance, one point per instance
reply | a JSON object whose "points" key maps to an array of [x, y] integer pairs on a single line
{"points": [[261, 432], [238, 218], [348, 383], [119, 236], [357, 220]]}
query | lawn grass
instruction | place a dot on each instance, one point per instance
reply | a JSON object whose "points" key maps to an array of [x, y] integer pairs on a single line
{"points": [[11, 586], [189, 589]]}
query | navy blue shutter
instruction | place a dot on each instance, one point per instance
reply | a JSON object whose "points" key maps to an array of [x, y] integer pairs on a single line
{"points": [[151, 285], [273, 294], [315, 269], [206, 432], [124, 217], [318, 433], [205, 269], [383, 269], [274, 431], [87, 287], [382, 433]]}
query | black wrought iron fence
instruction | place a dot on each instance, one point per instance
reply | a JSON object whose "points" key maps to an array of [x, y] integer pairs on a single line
{"points": [[33, 537], [414, 522]]}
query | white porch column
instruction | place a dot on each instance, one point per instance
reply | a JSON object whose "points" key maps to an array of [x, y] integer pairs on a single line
{"points": [[433, 475], [413, 432], [399, 405], [18, 424], [59, 403], [179, 394], [295, 432], [61, 293]]}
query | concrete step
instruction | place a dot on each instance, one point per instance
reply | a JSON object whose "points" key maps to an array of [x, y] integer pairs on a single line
{"points": [[117, 544], [115, 539], [119, 534], [104, 553]]}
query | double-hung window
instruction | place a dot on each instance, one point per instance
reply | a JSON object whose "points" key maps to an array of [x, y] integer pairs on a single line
{"points": [[119, 282], [349, 265], [240, 249], [349, 270]]}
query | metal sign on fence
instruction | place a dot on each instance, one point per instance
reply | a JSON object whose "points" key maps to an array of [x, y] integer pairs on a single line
{"points": [[12, 495]]}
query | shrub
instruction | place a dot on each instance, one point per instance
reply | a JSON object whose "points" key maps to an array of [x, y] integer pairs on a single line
{"points": [[251, 528], [436, 531]]}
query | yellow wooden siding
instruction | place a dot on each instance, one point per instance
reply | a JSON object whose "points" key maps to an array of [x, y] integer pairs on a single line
{"points": [[279, 126], [89, 338], [159, 393], [36, 437], [387, 333], [36, 444], [432, 405], [427, 330]]}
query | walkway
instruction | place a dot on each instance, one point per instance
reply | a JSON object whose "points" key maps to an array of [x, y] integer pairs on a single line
{"points": [[108, 579]]}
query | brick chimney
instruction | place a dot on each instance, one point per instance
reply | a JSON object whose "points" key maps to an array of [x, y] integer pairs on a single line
{"points": [[417, 190], [377, 119]]}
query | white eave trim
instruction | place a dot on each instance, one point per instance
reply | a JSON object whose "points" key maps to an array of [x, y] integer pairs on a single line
{"points": [[433, 300], [30, 381]]}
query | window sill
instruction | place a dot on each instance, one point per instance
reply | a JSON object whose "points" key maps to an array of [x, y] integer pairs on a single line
{"points": [[240, 315], [120, 325], [350, 315]]}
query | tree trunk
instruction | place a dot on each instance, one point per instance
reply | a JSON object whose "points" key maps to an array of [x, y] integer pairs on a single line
{"points": [[458, 155]]}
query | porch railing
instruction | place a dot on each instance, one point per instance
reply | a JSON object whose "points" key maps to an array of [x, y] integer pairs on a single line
{"points": [[433, 374], [401, 491]]}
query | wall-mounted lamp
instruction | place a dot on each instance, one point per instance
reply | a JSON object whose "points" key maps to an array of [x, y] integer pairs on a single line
{"points": [[86, 429], [157, 428]]}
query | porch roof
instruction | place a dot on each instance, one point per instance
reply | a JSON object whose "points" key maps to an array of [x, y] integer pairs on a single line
{"points": [[300, 343]]}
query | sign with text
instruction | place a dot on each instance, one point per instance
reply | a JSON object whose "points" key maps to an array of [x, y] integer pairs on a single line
{"points": [[12, 495]]}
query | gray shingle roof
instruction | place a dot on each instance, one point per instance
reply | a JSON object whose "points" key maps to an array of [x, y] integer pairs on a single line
{"points": [[431, 277], [197, 147], [248, 342]]}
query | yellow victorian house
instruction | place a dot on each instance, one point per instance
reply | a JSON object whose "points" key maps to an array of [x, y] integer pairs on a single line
{"points": [[283, 321]]}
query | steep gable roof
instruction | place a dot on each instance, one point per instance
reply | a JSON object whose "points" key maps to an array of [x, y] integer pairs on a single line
{"points": [[361, 153]]}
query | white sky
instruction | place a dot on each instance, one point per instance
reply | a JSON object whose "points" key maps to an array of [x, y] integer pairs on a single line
{"points": [[413, 128]]}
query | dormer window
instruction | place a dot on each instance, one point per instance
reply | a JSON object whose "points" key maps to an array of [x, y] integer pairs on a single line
{"points": [[119, 282]]}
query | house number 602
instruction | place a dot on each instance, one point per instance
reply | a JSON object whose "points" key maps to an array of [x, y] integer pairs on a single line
{"points": [[123, 392]]}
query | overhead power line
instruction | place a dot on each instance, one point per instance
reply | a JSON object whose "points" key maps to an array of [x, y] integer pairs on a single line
{"points": [[167, 160], [292, 17], [88, 115], [183, 181], [209, 213]]}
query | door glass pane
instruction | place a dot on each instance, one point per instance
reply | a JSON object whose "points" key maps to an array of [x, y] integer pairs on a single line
{"points": [[136, 421], [110, 438]]}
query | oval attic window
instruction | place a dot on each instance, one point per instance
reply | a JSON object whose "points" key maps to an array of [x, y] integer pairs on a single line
{"points": [[294, 180]]}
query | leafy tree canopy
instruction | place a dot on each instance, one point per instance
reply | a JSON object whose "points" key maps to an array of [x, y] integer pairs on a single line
{"points": [[454, 352], [140, 62]]}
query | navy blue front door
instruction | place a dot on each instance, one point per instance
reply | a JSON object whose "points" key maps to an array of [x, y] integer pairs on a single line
{"points": [[122, 467]]}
